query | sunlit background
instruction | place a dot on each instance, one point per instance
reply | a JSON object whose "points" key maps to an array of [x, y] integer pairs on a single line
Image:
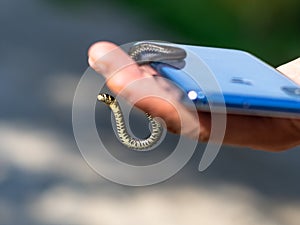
{"points": [[43, 178]]}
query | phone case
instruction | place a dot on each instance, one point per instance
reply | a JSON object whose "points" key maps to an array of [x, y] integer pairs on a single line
{"points": [[244, 83]]}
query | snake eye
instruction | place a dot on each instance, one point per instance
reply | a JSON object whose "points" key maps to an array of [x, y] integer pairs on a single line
{"points": [[111, 98]]}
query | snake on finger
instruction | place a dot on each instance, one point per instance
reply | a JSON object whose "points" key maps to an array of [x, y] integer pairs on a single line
{"points": [[142, 53]]}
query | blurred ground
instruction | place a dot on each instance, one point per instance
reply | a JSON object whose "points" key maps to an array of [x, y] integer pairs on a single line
{"points": [[43, 178]]}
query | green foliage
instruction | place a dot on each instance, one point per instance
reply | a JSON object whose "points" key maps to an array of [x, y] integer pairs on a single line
{"points": [[269, 29]]}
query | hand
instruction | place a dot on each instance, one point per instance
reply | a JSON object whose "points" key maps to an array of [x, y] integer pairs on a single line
{"points": [[134, 82]]}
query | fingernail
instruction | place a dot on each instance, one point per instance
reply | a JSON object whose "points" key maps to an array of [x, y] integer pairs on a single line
{"points": [[98, 65]]}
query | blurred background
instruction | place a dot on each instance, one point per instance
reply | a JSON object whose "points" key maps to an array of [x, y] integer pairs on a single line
{"points": [[43, 178]]}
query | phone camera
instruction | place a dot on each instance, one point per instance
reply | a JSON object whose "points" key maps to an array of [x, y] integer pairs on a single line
{"points": [[294, 91]]}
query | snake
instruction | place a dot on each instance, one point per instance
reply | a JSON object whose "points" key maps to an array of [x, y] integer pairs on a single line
{"points": [[142, 53]]}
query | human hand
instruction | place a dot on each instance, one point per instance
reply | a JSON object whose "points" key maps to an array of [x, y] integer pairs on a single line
{"points": [[134, 83]]}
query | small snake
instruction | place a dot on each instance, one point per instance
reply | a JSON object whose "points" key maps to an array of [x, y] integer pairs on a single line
{"points": [[143, 53]]}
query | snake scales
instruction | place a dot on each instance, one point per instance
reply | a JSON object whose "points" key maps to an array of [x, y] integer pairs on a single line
{"points": [[142, 53]]}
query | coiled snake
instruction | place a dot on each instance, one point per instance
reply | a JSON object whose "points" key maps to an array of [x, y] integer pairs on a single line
{"points": [[142, 53]]}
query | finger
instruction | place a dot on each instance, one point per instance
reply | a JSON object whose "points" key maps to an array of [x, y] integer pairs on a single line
{"points": [[136, 84], [263, 133], [108, 59], [119, 69]]}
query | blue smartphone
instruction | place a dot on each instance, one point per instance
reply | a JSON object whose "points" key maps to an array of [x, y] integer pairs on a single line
{"points": [[233, 79]]}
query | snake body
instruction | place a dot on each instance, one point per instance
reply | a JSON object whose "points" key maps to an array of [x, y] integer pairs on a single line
{"points": [[142, 53], [124, 137]]}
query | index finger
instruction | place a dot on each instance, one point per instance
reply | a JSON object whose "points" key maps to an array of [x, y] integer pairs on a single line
{"points": [[133, 82]]}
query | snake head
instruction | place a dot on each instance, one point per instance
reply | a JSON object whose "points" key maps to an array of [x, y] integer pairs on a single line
{"points": [[106, 98]]}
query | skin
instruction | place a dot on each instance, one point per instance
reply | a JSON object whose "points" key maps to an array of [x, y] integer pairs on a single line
{"points": [[131, 81]]}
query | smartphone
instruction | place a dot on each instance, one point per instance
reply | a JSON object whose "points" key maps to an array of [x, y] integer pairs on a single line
{"points": [[243, 83]]}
